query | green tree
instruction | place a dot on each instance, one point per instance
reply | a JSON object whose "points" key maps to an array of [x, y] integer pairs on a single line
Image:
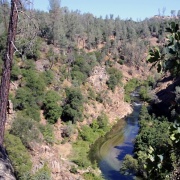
{"points": [[73, 108], [103, 121], [54, 11], [115, 77], [27, 103], [52, 108]]}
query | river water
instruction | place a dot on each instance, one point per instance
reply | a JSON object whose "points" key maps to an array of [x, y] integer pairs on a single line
{"points": [[110, 150]]}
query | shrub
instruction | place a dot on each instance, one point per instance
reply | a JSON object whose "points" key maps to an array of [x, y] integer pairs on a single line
{"points": [[81, 64], [102, 122], [81, 149], [24, 100], [130, 87], [91, 94], [144, 93], [115, 77], [18, 154], [48, 133], [129, 163], [48, 77], [99, 98], [79, 76], [87, 134], [91, 176], [15, 72], [73, 170], [42, 174], [73, 109], [68, 130], [34, 82], [33, 52], [52, 110], [33, 113], [26, 129]]}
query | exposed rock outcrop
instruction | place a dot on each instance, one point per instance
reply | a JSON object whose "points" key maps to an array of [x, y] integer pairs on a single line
{"points": [[98, 78], [6, 169]]}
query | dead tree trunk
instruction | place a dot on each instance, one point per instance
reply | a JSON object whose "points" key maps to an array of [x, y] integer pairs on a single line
{"points": [[6, 73]]}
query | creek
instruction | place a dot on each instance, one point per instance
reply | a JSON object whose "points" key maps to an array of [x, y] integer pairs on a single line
{"points": [[110, 150]]}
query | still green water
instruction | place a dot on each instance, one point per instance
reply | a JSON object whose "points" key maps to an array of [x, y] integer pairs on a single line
{"points": [[109, 151]]}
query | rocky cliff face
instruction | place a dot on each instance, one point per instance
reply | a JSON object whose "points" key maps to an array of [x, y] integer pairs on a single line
{"points": [[6, 169]]}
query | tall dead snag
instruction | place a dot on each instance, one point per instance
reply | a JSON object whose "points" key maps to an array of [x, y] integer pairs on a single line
{"points": [[8, 59]]}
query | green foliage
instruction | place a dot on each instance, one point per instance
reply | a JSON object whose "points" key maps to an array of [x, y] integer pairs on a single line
{"points": [[34, 51], [115, 77], [99, 98], [15, 72], [91, 176], [98, 55], [91, 94], [24, 100], [68, 130], [102, 122], [26, 129], [28, 65], [52, 113], [29, 97], [3, 39], [48, 133], [73, 170], [130, 86], [88, 134], [64, 72], [145, 88], [82, 66], [162, 162], [32, 112], [168, 59], [52, 56], [18, 154], [144, 93], [130, 165], [96, 129], [48, 77], [73, 108], [80, 155], [79, 76], [42, 174], [52, 110], [34, 82], [154, 151]]}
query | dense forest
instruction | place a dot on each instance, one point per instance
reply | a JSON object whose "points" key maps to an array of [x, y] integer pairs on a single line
{"points": [[68, 70]]}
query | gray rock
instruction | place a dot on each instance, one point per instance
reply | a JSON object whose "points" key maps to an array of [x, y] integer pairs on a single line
{"points": [[6, 169]]}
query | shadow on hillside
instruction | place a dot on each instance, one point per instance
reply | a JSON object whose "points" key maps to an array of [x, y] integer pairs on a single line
{"points": [[166, 98]]}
